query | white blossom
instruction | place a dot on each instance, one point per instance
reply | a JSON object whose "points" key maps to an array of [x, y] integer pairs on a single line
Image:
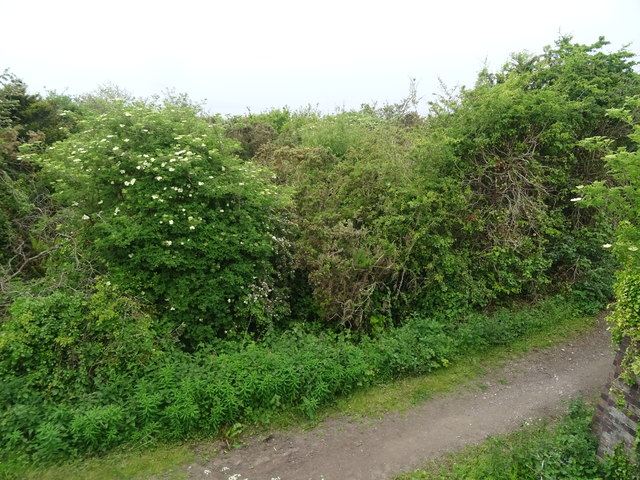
{"points": [[576, 199]]}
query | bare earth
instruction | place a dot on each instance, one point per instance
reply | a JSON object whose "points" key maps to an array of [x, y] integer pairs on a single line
{"points": [[537, 385]]}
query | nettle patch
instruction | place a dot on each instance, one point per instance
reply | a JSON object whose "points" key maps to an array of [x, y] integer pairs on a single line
{"points": [[176, 218]]}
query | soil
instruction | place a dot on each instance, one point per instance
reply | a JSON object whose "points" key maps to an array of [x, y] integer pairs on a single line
{"points": [[538, 385]]}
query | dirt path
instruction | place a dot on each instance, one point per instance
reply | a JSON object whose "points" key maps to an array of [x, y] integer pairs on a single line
{"points": [[537, 385]]}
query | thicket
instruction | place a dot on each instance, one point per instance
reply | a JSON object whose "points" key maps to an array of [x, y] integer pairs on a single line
{"points": [[168, 273]]}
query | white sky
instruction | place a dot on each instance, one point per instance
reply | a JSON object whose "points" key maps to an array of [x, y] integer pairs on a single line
{"points": [[241, 54]]}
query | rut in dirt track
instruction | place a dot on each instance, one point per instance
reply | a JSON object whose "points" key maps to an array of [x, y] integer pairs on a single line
{"points": [[537, 385]]}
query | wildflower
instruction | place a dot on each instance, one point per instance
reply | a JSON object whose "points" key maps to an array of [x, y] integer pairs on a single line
{"points": [[132, 181], [607, 245], [200, 184], [172, 308], [577, 199], [158, 178], [131, 255], [85, 217], [170, 222], [155, 197], [171, 169], [192, 227], [115, 212], [115, 148], [221, 210], [168, 243], [100, 202], [127, 114]]}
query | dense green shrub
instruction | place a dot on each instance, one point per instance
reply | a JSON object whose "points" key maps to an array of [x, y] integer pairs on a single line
{"points": [[157, 197], [467, 209], [66, 343], [619, 196]]}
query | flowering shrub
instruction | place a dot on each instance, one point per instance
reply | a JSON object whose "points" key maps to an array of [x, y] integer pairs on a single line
{"points": [[175, 217], [620, 198]]}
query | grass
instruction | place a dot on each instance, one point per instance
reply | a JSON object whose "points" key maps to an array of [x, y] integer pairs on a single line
{"points": [[165, 462], [162, 462]]}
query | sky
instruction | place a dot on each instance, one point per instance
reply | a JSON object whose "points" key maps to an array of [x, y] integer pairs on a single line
{"points": [[251, 55]]}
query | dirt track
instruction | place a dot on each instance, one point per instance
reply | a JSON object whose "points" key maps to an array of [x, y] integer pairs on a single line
{"points": [[534, 386]]}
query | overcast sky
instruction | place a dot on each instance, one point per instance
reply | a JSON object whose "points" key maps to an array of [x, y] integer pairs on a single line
{"points": [[256, 55]]}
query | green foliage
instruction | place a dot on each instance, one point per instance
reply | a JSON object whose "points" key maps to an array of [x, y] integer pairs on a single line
{"points": [[619, 196], [155, 193], [27, 122], [467, 209], [145, 394], [254, 131], [65, 343]]}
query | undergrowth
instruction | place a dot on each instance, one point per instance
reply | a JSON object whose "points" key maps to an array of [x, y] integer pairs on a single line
{"points": [[188, 396]]}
